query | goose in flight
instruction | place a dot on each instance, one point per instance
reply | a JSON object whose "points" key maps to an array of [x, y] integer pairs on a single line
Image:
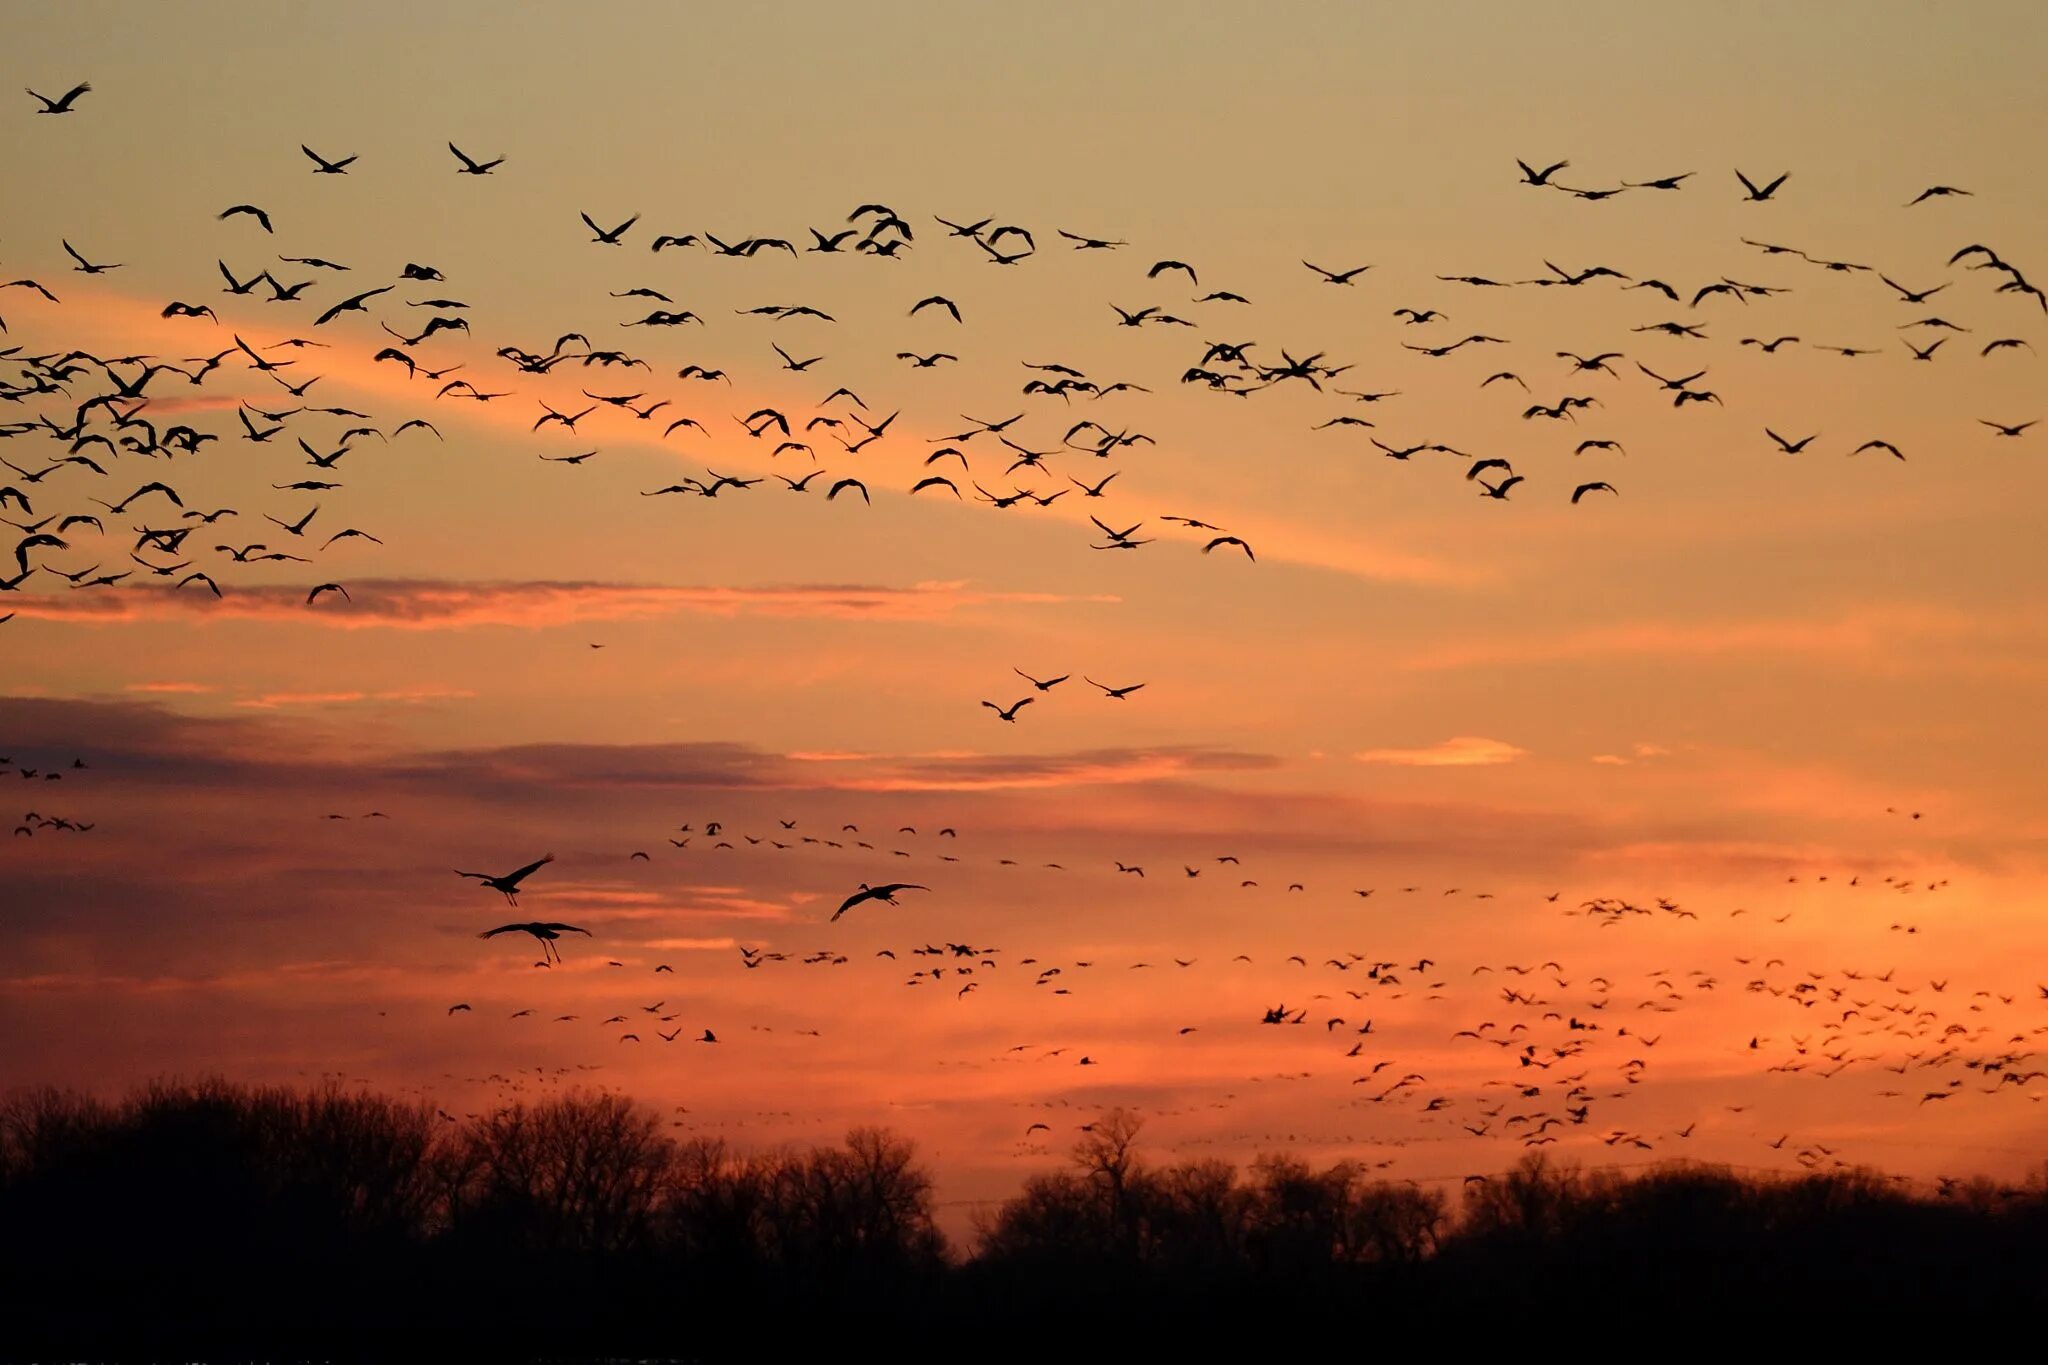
{"points": [[508, 884], [547, 933], [886, 895], [1585, 488], [63, 104], [1231, 540], [1113, 693], [1009, 713], [1045, 685]]}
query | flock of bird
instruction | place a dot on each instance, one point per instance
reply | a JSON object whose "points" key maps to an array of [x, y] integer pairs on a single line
{"points": [[1557, 1051], [94, 415], [98, 444]]}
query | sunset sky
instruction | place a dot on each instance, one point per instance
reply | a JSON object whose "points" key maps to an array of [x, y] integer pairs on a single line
{"points": [[1743, 673]]}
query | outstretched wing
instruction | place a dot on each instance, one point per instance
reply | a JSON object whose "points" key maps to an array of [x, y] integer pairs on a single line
{"points": [[514, 878]]}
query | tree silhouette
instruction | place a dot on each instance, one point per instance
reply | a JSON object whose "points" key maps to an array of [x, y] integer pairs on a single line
{"points": [[208, 1219]]}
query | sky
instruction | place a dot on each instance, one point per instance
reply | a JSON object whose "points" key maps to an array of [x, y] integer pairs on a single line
{"points": [[1792, 695]]}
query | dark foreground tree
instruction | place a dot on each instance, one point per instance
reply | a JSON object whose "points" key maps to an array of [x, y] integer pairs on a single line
{"points": [[209, 1220]]}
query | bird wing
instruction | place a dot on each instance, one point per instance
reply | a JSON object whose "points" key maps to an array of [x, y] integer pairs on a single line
{"points": [[855, 899], [513, 878]]}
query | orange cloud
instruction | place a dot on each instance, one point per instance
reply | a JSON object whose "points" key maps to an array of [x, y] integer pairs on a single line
{"points": [[1460, 751], [183, 689], [271, 701], [404, 604]]}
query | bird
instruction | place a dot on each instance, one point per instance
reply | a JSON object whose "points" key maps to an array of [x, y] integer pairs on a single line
{"points": [[885, 895], [1756, 195], [507, 884], [353, 304], [608, 238], [1009, 713], [1114, 693], [1532, 176], [471, 166], [1585, 488], [546, 932], [1935, 192], [1229, 540], [250, 210], [85, 267], [322, 166], [64, 103]]}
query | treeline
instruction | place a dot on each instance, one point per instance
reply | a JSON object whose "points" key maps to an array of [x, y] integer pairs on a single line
{"points": [[213, 1219]]}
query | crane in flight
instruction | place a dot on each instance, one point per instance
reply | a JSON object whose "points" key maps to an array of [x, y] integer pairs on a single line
{"points": [[547, 933], [508, 885]]}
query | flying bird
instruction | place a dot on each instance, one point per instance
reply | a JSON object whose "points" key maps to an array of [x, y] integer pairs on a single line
{"points": [[885, 895], [65, 102], [471, 166], [507, 885], [546, 932]]}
